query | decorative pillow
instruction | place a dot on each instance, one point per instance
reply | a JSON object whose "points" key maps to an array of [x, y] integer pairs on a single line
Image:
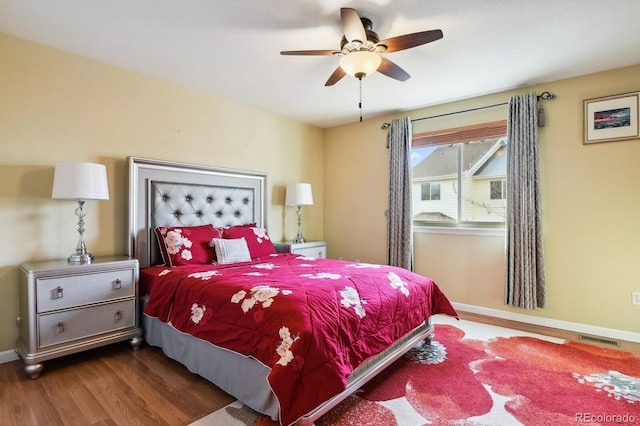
{"points": [[186, 245], [258, 240], [231, 251]]}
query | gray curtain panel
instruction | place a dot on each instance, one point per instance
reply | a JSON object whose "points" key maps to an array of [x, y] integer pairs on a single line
{"points": [[399, 228], [524, 260]]}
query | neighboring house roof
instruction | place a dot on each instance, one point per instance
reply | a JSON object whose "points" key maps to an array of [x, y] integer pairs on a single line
{"points": [[433, 217], [483, 158], [496, 165]]}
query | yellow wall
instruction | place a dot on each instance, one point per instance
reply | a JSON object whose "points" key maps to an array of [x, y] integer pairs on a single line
{"points": [[590, 203], [58, 107]]}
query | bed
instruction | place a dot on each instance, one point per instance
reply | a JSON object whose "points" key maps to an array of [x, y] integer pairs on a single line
{"points": [[289, 336]]}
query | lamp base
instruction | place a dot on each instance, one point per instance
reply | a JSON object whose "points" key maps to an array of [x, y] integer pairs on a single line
{"points": [[81, 258], [298, 239], [81, 255]]}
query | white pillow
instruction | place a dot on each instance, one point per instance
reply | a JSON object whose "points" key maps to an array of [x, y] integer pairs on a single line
{"points": [[231, 251]]}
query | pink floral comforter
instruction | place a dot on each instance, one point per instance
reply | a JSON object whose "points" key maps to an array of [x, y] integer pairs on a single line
{"points": [[312, 321]]}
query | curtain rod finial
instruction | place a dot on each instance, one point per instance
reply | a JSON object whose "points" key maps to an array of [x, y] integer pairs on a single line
{"points": [[546, 96]]}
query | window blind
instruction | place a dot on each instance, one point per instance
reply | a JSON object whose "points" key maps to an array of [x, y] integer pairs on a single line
{"points": [[475, 132]]}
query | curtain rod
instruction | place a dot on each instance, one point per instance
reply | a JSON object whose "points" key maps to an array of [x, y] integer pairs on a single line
{"points": [[545, 96]]}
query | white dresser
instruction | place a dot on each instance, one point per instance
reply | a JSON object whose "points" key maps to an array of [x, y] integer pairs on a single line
{"points": [[308, 248], [67, 308]]}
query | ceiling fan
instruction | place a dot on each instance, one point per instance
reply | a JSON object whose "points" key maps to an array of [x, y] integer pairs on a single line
{"points": [[360, 49]]}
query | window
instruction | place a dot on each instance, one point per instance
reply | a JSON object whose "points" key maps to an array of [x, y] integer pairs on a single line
{"points": [[430, 191], [459, 176], [498, 189]]}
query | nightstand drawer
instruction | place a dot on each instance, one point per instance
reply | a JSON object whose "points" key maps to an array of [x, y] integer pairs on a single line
{"points": [[61, 327], [312, 251], [76, 290]]}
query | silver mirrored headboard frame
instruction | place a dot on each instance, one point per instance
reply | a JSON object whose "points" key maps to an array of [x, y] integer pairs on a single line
{"points": [[165, 193]]}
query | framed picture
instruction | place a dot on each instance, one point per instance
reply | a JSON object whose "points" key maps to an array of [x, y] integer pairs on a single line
{"points": [[612, 118]]}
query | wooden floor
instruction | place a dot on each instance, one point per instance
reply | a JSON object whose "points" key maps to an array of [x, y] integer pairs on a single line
{"points": [[107, 386]]}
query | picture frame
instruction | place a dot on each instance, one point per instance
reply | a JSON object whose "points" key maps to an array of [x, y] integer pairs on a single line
{"points": [[611, 118]]}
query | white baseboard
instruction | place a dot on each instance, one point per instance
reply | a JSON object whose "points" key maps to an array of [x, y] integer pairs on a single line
{"points": [[8, 356], [593, 330]]}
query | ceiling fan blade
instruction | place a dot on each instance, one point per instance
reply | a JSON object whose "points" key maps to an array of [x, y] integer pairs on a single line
{"points": [[408, 41], [352, 25], [310, 52], [390, 69], [335, 77]]}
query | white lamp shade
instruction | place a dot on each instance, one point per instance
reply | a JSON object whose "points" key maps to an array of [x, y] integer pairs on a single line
{"points": [[80, 181], [360, 63], [299, 194]]}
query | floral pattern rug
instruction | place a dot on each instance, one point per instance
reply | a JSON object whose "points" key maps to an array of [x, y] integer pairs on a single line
{"points": [[515, 380]]}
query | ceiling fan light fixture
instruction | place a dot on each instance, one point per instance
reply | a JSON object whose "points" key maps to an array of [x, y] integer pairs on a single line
{"points": [[360, 63]]}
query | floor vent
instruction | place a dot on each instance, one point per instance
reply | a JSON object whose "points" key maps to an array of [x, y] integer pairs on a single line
{"points": [[599, 340]]}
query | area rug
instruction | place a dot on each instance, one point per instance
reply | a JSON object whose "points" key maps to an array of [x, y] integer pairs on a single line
{"points": [[513, 380]]}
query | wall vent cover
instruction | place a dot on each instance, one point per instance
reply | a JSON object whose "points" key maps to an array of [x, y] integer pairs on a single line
{"points": [[599, 340]]}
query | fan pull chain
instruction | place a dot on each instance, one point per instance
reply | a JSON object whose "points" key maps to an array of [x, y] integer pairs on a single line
{"points": [[360, 103]]}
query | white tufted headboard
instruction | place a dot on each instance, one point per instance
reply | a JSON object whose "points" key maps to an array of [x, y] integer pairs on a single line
{"points": [[164, 193]]}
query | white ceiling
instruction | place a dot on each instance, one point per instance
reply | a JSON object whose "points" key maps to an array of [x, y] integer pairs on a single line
{"points": [[231, 48]]}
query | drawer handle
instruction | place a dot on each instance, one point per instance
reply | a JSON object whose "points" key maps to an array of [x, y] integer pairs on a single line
{"points": [[58, 293], [60, 327], [118, 315], [116, 285]]}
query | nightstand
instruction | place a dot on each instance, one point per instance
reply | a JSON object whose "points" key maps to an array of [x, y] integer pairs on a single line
{"points": [[309, 248], [67, 308]]}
